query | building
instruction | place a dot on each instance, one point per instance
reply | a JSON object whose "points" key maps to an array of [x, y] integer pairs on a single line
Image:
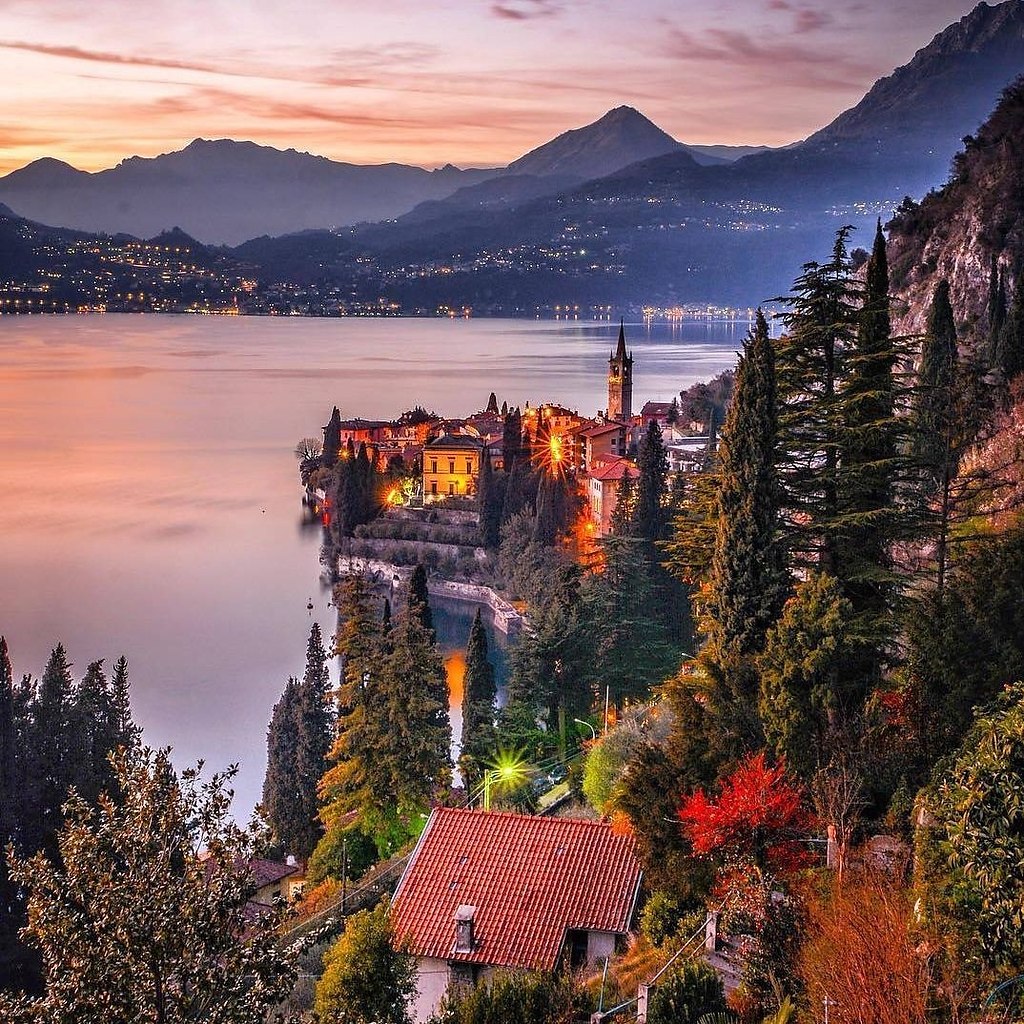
{"points": [[451, 465], [620, 381], [656, 412], [486, 891], [599, 441], [603, 482]]}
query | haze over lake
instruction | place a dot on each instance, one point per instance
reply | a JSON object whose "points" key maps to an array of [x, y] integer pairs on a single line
{"points": [[150, 502]]}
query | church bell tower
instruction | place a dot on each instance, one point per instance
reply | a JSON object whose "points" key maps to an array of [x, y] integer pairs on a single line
{"points": [[620, 381]]}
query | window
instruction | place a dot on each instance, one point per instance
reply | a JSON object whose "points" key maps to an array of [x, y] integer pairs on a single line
{"points": [[451, 467], [433, 487], [469, 465], [451, 488], [433, 465]]}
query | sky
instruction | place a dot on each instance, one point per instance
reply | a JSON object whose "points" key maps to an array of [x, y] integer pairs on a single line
{"points": [[471, 82]]}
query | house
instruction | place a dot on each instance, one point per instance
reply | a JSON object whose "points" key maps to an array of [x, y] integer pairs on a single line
{"points": [[603, 482], [485, 891], [655, 412], [451, 465], [599, 440]]}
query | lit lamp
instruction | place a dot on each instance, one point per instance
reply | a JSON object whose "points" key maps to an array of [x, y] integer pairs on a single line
{"points": [[508, 770]]}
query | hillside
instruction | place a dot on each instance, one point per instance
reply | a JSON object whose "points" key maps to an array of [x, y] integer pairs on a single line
{"points": [[956, 232]]}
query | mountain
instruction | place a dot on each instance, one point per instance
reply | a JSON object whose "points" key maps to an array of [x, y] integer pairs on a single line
{"points": [[898, 140], [224, 192], [621, 137], [957, 232]]}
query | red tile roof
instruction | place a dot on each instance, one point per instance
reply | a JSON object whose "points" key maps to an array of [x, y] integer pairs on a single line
{"points": [[613, 469], [530, 879]]}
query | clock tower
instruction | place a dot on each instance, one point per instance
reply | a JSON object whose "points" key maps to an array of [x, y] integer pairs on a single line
{"points": [[620, 381]]}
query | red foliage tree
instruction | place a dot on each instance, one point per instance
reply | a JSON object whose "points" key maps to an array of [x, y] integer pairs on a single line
{"points": [[758, 818]]}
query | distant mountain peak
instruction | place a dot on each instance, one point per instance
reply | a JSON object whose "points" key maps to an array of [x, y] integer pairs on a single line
{"points": [[46, 172], [620, 137]]}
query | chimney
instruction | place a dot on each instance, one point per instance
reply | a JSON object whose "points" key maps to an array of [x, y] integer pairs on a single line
{"points": [[464, 929]]}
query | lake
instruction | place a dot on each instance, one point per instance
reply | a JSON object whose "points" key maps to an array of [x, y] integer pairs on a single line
{"points": [[149, 497]]}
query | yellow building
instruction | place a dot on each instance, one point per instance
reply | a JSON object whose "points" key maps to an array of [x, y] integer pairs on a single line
{"points": [[451, 465]]}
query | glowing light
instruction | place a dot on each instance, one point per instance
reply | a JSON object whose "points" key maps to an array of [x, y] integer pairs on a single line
{"points": [[395, 496], [509, 772]]}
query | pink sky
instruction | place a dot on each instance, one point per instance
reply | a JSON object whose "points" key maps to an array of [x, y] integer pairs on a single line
{"points": [[467, 81]]}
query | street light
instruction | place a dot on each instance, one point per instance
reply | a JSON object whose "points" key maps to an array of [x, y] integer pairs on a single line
{"points": [[508, 770], [593, 731]]}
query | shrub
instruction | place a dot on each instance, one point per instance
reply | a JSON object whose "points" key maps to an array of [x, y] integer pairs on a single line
{"points": [[684, 995]]}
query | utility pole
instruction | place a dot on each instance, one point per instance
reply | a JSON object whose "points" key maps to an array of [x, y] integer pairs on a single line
{"points": [[344, 873]]}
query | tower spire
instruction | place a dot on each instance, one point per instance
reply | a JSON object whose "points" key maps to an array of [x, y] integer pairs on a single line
{"points": [[620, 351], [620, 380]]}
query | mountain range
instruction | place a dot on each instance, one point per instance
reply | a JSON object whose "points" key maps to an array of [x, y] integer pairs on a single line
{"points": [[616, 212]]}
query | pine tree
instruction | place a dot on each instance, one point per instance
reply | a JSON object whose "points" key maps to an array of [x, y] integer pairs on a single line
{"points": [[56, 750], [8, 794], [934, 402], [479, 738], [621, 522], [121, 726], [821, 327], [511, 445], [672, 416], [91, 717]]}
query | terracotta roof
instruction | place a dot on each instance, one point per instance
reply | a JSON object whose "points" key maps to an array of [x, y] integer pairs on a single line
{"points": [[266, 872], [613, 469], [529, 880], [602, 428]]}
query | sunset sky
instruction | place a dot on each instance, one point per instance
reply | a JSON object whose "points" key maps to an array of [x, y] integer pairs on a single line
{"points": [[432, 81]]}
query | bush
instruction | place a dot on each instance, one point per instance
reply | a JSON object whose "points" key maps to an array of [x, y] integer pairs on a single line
{"points": [[605, 764], [659, 920], [686, 994], [523, 998]]}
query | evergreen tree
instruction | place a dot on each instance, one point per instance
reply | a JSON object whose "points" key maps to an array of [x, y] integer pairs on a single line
{"points": [[332, 440], [418, 600], [552, 507], [672, 416], [1009, 350], [281, 803], [121, 726], [416, 750], [479, 738], [625, 502], [809, 700], [748, 577], [649, 517], [92, 720], [868, 466], [314, 727], [356, 781], [512, 440], [821, 326], [489, 501], [8, 739], [934, 403], [56, 750], [385, 618]]}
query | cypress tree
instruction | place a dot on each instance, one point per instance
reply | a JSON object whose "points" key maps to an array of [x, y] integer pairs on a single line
{"points": [[621, 522], [511, 444], [332, 440], [314, 722], [1009, 350], [488, 504], [934, 402], [650, 514], [749, 579], [418, 599], [479, 737], [282, 804], [121, 726], [91, 717], [868, 467], [416, 749], [8, 794]]}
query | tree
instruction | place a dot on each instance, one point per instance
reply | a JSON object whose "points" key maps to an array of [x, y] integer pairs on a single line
{"points": [[309, 449], [281, 805], [489, 499], [145, 917], [331, 448], [757, 819], [1009, 351], [980, 810], [368, 976], [649, 513], [748, 578], [808, 701], [418, 598], [314, 737], [479, 738]]}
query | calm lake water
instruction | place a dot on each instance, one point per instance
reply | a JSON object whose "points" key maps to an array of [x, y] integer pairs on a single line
{"points": [[149, 499]]}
